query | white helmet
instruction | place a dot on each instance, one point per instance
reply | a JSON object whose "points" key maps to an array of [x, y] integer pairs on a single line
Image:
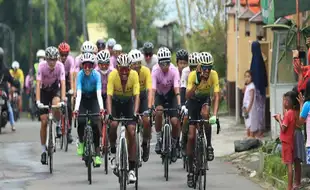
{"points": [[117, 47], [15, 65], [193, 59], [88, 47], [40, 53], [111, 42], [135, 55], [103, 56], [88, 57], [164, 53], [206, 58], [51, 53], [123, 60]]}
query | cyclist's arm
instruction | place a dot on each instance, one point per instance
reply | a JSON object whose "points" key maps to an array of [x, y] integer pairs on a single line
{"points": [[149, 88], [99, 90], [10, 79], [191, 87], [110, 91], [38, 92], [63, 83], [136, 92], [78, 92], [22, 79], [216, 89], [176, 84]]}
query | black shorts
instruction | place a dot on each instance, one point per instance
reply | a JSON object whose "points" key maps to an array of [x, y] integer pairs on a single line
{"points": [[89, 103], [104, 100], [194, 107], [47, 98], [122, 108], [167, 101], [143, 102]]}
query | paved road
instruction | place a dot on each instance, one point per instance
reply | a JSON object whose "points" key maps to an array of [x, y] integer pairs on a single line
{"points": [[20, 168]]}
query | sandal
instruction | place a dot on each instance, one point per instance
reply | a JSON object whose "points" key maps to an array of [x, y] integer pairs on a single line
{"points": [[190, 180]]}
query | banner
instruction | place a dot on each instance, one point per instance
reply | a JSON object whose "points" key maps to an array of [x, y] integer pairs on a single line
{"points": [[267, 11]]}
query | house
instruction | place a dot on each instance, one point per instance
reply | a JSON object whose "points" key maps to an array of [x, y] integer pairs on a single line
{"points": [[96, 31]]}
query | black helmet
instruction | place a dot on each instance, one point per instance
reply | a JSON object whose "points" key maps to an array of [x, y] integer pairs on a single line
{"points": [[182, 55], [148, 47], [100, 44]]}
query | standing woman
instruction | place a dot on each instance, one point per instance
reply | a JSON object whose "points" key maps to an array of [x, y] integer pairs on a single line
{"points": [[259, 78]]}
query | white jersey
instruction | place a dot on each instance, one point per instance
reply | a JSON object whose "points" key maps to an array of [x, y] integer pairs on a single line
{"points": [[153, 61], [184, 77]]}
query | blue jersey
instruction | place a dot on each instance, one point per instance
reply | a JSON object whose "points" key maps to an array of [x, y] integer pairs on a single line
{"points": [[88, 84]]}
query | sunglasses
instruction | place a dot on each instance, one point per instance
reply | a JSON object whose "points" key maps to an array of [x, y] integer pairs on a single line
{"points": [[104, 62], [206, 67], [87, 66], [64, 54], [164, 63], [136, 64], [123, 69], [148, 54]]}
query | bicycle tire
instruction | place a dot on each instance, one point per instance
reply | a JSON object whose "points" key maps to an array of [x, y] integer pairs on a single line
{"points": [[137, 157], [65, 135], [88, 152], [123, 162], [62, 134], [105, 143], [166, 151], [50, 147]]}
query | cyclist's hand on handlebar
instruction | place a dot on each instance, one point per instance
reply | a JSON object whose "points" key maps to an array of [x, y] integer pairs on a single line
{"points": [[136, 117], [179, 109], [62, 104], [75, 114], [39, 104], [184, 110], [102, 113], [212, 119], [70, 92]]}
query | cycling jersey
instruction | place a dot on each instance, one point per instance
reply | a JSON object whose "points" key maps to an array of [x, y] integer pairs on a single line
{"points": [[77, 63], [88, 84], [18, 75], [69, 65], [151, 63], [145, 78], [104, 80], [184, 76], [115, 86], [50, 79], [164, 82], [204, 88], [113, 61]]}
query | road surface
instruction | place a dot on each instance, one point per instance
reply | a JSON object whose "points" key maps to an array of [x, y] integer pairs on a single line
{"points": [[20, 168]]}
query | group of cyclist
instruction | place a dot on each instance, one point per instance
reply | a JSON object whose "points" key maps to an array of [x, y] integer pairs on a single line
{"points": [[104, 79]]}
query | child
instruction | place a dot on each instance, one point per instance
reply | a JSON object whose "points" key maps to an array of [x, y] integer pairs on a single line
{"points": [[288, 124], [248, 100]]}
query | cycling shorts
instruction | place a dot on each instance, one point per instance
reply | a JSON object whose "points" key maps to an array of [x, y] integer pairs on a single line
{"points": [[168, 100], [47, 98], [143, 102], [123, 108], [194, 107]]}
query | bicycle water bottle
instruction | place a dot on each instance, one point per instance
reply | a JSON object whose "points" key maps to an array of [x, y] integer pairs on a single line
{"points": [[308, 155]]}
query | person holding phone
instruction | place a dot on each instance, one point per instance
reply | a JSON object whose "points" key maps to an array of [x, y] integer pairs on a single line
{"points": [[303, 72]]}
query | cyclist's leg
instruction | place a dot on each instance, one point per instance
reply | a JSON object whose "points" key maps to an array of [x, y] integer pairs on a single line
{"points": [[131, 127], [81, 127], [158, 121], [95, 124], [205, 113], [147, 130], [11, 115], [116, 112], [46, 99], [56, 113], [20, 103], [175, 124], [193, 112], [69, 107]]}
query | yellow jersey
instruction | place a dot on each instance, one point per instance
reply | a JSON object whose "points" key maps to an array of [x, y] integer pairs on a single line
{"points": [[145, 78], [18, 75], [205, 87], [115, 88]]}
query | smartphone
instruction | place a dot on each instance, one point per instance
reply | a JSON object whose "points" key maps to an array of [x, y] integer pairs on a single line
{"points": [[302, 55]]}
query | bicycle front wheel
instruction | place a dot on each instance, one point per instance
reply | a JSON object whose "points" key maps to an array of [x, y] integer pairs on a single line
{"points": [[50, 150], [123, 165], [138, 156], [166, 151]]}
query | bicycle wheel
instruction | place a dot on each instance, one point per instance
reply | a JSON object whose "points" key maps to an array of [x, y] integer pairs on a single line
{"points": [[123, 166], [105, 143], [202, 171], [137, 157], [88, 151], [65, 133], [50, 146], [166, 150]]}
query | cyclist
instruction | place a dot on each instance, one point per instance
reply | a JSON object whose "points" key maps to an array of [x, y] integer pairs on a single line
{"points": [[103, 59], [100, 45], [166, 93], [40, 57], [88, 99], [145, 98], [123, 99], [6, 77], [198, 92], [117, 50], [193, 62], [18, 74], [149, 59], [50, 74], [68, 61], [110, 44]]}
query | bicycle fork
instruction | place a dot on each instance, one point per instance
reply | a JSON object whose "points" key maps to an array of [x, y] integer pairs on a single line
{"points": [[166, 142], [121, 148], [50, 132]]}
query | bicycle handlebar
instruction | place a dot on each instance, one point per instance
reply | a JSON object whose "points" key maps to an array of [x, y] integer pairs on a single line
{"points": [[124, 119], [88, 114], [167, 109], [50, 106]]}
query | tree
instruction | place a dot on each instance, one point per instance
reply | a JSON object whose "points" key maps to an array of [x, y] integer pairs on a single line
{"points": [[115, 15]]}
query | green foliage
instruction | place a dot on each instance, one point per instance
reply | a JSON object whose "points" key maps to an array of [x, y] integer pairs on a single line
{"points": [[274, 167], [116, 16]]}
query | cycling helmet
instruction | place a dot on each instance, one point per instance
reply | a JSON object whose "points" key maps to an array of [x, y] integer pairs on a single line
{"points": [[51, 53], [40, 53], [205, 58], [15, 65], [193, 59], [111, 42], [88, 57], [88, 47], [135, 55], [103, 56], [100, 44], [148, 47], [163, 54], [64, 47], [123, 60], [182, 55], [117, 47]]}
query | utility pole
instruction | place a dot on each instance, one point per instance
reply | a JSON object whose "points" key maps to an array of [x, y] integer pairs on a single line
{"points": [[133, 25], [84, 20], [30, 34], [46, 22], [237, 100], [66, 20]]}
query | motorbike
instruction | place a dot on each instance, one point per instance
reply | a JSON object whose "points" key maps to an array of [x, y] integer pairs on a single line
{"points": [[15, 106], [4, 113]]}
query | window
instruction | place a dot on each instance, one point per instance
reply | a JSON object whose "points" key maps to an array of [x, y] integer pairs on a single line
{"points": [[247, 28], [260, 32]]}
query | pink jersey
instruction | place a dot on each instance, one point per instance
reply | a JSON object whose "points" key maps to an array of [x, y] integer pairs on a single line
{"points": [[27, 81], [164, 82], [69, 65], [77, 63], [50, 79], [113, 61], [104, 79]]}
